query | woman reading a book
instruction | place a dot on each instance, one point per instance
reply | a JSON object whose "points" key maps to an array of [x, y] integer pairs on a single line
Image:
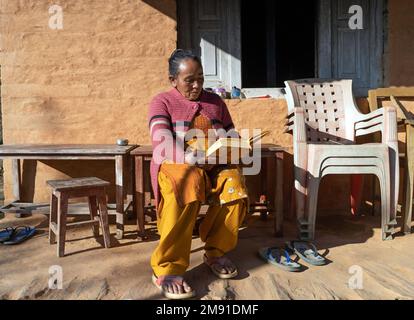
{"points": [[182, 183]]}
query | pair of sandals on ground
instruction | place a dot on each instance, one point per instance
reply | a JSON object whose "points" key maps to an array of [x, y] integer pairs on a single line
{"points": [[174, 287], [16, 235], [280, 257]]}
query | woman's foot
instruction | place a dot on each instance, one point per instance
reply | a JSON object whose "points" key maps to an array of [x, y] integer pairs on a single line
{"points": [[222, 267], [173, 287]]}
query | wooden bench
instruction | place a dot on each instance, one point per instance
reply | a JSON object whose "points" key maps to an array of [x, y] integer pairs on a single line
{"points": [[269, 152], [62, 190]]}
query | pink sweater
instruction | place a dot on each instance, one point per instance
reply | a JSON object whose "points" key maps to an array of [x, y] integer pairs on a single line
{"points": [[170, 116]]}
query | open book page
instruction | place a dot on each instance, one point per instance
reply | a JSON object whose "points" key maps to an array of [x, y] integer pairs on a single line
{"points": [[226, 146]]}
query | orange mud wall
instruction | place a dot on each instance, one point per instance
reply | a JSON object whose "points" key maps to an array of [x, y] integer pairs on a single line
{"points": [[92, 82]]}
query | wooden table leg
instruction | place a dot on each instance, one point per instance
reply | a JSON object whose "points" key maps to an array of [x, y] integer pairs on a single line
{"points": [[278, 206], [140, 195], [268, 183], [16, 180], [103, 217], [62, 213], [93, 211], [119, 181], [130, 185], [53, 218]]}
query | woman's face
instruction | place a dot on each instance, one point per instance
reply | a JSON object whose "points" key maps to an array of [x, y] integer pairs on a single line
{"points": [[190, 79]]}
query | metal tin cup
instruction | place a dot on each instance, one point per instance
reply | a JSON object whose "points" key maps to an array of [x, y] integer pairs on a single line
{"points": [[122, 142]]}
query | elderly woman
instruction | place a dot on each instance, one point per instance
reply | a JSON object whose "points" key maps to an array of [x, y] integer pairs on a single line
{"points": [[182, 183]]}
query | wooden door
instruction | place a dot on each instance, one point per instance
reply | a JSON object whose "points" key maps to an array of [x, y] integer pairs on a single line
{"points": [[344, 53]]}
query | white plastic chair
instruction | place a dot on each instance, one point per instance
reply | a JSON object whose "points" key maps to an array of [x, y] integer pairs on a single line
{"points": [[325, 121]]}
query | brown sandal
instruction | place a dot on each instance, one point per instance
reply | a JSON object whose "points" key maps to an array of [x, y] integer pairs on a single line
{"points": [[216, 264], [172, 295]]}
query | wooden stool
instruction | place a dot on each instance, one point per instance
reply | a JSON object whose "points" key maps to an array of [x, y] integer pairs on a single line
{"points": [[62, 190]]}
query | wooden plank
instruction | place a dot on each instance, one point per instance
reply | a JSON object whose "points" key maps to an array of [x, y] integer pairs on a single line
{"points": [[129, 184], [145, 150], [399, 92], [103, 217], [77, 183], [62, 211], [392, 93], [80, 193], [16, 179], [53, 218], [93, 223], [66, 149], [402, 112], [93, 210], [409, 181], [56, 157], [140, 194], [16, 210], [381, 93], [119, 181], [74, 209], [54, 229]]}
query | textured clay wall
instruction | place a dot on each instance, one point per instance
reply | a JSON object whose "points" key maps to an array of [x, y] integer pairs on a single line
{"points": [[401, 43], [92, 81], [88, 83]]}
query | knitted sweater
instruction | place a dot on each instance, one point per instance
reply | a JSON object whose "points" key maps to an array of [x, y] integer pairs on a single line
{"points": [[170, 116]]}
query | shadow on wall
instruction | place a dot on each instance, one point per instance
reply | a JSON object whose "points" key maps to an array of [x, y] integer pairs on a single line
{"points": [[167, 7]]}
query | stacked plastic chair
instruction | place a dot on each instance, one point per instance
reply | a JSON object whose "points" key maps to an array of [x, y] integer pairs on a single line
{"points": [[325, 122]]}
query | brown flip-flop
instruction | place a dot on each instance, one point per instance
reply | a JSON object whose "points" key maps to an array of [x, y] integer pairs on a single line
{"points": [[172, 295], [220, 261]]}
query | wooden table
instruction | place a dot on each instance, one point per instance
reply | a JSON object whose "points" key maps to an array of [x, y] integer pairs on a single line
{"points": [[270, 152], [69, 152]]}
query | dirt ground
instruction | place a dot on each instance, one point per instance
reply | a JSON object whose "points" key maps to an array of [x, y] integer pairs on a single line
{"points": [[123, 271]]}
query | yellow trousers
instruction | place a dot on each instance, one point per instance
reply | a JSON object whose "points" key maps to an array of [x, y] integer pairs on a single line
{"points": [[226, 195]]}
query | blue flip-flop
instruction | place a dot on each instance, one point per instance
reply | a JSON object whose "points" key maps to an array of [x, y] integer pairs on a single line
{"points": [[21, 234], [5, 234], [279, 258], [307, 251]]}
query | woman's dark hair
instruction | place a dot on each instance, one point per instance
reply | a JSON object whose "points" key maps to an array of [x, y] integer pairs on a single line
{"points": [[175, 59]]}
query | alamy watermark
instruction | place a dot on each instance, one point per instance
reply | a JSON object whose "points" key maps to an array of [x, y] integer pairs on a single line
{"points": [[55, 277], [356, 21], [56, 18], [356, 281]]}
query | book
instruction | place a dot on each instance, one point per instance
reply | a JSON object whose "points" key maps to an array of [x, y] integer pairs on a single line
{"points": [[226, 145]]}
